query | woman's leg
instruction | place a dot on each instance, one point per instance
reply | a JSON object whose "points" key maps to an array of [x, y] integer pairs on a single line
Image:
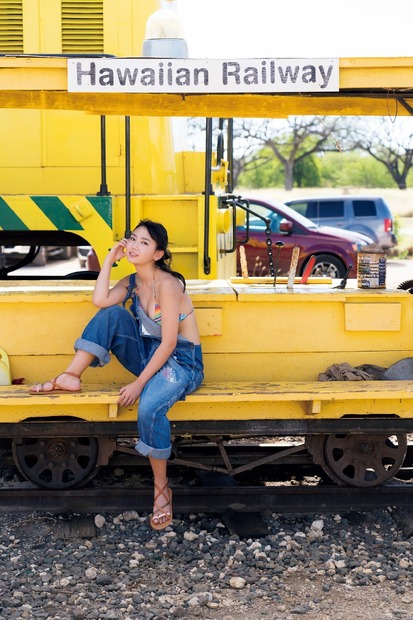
{"points": [[160, 393], [162, 510], [111, 329], [114, 330], [69, 379]]}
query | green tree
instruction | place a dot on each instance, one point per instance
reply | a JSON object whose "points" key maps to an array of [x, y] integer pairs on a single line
{"points": [[262, 170], [306, 172], [352, 169], [294, 140], [391, 144]]}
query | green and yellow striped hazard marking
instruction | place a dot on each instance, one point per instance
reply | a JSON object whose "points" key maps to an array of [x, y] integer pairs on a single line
{"points": [[88, 216]]}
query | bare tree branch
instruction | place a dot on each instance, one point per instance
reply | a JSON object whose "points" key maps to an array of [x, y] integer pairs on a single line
{"points": [[391, 144]]}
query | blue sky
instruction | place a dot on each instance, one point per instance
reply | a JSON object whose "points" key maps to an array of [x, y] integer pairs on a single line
{"points": [[296, 28]]}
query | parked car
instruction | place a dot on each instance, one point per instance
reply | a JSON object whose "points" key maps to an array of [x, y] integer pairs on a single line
{"points": [[369, 215], [13, 253], [335, 249], [87, 258]]}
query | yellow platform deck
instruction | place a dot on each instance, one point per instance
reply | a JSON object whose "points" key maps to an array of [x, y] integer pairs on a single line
{"points": [[263, 348], [223, 401]]}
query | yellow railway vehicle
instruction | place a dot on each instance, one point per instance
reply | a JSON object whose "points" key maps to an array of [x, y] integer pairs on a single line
{"points": [[90, 164]]}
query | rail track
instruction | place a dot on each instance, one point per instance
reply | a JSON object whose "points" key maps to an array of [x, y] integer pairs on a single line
{"points": [[289, 483], [213, 499]]}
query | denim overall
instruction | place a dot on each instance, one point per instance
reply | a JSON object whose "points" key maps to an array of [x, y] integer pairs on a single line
{"points": [[133, 338]]}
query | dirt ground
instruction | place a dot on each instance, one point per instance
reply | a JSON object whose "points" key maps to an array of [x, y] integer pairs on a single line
{"points": [[319, 601]]}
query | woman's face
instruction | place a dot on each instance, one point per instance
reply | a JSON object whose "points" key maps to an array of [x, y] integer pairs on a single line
{"points": [[141, 248]]}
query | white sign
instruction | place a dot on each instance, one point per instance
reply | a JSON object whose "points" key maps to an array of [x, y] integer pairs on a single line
{"points": [[172, 75]]}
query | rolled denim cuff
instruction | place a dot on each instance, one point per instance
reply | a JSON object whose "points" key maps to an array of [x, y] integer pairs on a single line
{"points": [[102, 356], [156, 453]]}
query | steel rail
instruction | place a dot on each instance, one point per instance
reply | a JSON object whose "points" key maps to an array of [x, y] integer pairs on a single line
{"points": [[279, 499]]}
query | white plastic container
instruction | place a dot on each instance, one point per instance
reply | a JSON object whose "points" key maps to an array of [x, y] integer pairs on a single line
{"points": [[5, 375]]}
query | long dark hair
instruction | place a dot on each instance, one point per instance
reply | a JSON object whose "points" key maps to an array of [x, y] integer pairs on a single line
{"points": [[159, 234]]}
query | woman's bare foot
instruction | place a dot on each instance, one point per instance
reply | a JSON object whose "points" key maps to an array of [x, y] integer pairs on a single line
{"points": [[162, 507], [65, 382]]}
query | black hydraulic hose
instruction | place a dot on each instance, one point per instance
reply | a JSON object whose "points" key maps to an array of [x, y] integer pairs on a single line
{"points": [[26, 260], [230, 155], [127, 178], [208, 192], [103, 191]]}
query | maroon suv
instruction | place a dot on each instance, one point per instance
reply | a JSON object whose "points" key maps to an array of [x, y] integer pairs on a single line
{"points": [[335, 249]]}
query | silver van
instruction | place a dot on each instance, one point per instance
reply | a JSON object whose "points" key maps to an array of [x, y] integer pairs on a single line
{"points": [[369, 215]]}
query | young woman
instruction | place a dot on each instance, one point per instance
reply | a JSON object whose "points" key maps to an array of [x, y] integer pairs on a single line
{"points": [[158, 341]]}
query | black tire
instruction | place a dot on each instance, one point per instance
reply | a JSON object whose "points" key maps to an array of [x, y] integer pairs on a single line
{"points": [[41, 259], [328, 266]]}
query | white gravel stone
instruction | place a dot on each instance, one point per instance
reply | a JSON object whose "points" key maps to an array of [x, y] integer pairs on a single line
{"points": [[131, 571], [237, 583], [317, 525], [100, 521], [91, 573]]}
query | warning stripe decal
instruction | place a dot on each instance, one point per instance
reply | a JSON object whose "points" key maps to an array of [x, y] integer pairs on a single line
{"points": [[8, 219], [57, 212], [52, 212], [103, 206]]}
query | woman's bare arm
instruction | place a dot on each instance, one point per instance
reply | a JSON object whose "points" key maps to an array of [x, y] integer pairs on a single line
{"points": [[103, 295]]}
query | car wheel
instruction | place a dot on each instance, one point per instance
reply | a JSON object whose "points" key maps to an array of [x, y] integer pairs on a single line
{"points": [[328, 266], [41, 258]]}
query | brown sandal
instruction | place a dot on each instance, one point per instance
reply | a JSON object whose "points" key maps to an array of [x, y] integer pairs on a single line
{"points": [[167, 493], [39, 388]]}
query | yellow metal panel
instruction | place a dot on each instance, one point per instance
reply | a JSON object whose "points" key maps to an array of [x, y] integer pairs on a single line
{"points": [[171, 211], [377, 72], [372, 317], [153, 156], [31, 27], [273, 337], [50, 27], [223, 401], [355, 73], [191, 170], [124, 25], [237, 106], [209, 321], [42, 366], [22, 146], [261, 280], [70, 140]]}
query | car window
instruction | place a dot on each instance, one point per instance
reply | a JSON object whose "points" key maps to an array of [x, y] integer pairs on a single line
{"points": [[364, 208], [257, 224], [325, 209], [299, 207]]}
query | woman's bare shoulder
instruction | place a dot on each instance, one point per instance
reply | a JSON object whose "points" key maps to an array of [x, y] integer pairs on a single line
{"points": [[124, 281], [169, 284]]}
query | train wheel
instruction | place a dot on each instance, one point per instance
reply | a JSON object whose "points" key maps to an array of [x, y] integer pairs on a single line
{"points": [[363, 460], [57, 462]]}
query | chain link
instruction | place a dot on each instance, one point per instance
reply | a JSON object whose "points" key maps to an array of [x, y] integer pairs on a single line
{"points": [[268, 241]]}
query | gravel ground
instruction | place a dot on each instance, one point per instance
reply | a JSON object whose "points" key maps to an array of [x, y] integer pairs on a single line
{"points": [[353, 565]]}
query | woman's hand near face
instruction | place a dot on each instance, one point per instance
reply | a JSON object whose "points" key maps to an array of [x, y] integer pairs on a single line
{"points": [[104, 296], [118, 251]]}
